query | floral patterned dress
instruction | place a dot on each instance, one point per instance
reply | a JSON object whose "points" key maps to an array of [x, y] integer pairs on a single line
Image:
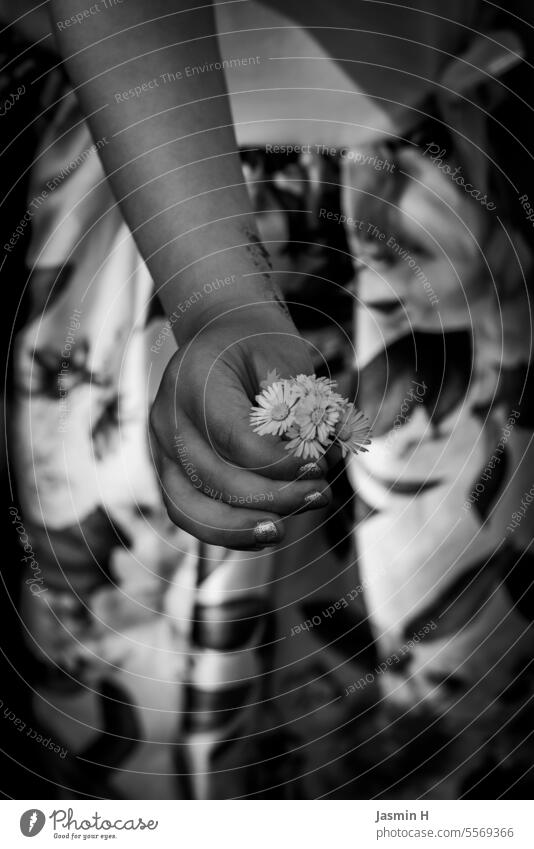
{"points": [[385, 649]]}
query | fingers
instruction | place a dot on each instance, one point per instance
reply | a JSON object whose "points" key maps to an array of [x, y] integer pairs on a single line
{"points": [[231, 436], [216, 478], [212, 521]]}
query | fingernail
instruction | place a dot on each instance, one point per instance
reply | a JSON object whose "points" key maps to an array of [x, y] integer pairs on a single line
{"points": [[316, 499], [266, 532], [310, 471]]}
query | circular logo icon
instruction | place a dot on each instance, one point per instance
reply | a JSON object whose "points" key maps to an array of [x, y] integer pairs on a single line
{"points": [[32, 822]]}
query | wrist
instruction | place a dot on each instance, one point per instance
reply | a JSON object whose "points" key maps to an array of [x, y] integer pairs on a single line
{"points": [[259, 311]]}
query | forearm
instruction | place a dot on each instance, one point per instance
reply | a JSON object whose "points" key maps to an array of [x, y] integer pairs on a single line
{"points": [[171, 154]]}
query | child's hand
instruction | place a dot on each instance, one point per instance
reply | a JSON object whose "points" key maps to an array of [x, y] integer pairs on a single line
{"points": [[220, 479]]}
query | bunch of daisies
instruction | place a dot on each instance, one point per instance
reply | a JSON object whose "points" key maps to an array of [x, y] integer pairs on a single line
{"points": [[310, 415]]}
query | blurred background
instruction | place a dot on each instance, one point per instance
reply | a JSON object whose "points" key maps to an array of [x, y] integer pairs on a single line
{"points": [[386, 650]]}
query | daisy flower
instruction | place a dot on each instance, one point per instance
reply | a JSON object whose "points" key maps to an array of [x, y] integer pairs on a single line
{"points": [[309, 415], [274, 415], [353, 431], [315, 417], [308, 449], [304, 384]]}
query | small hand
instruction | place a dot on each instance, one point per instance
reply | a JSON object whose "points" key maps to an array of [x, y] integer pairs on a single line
{"points": [[222, 482]]}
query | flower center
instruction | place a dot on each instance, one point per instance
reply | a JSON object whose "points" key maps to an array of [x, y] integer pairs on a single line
{"points": [[317, 415], [279, 412]]}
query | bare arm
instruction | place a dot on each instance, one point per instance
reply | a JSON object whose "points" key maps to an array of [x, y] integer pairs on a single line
{"points": [[173, 164], [171, 155]]}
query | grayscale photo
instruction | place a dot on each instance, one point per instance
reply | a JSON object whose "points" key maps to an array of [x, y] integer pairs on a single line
{"points": [[268, 415]]}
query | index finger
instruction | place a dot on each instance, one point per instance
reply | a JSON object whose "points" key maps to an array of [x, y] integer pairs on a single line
{"points": [[232, 437]]}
